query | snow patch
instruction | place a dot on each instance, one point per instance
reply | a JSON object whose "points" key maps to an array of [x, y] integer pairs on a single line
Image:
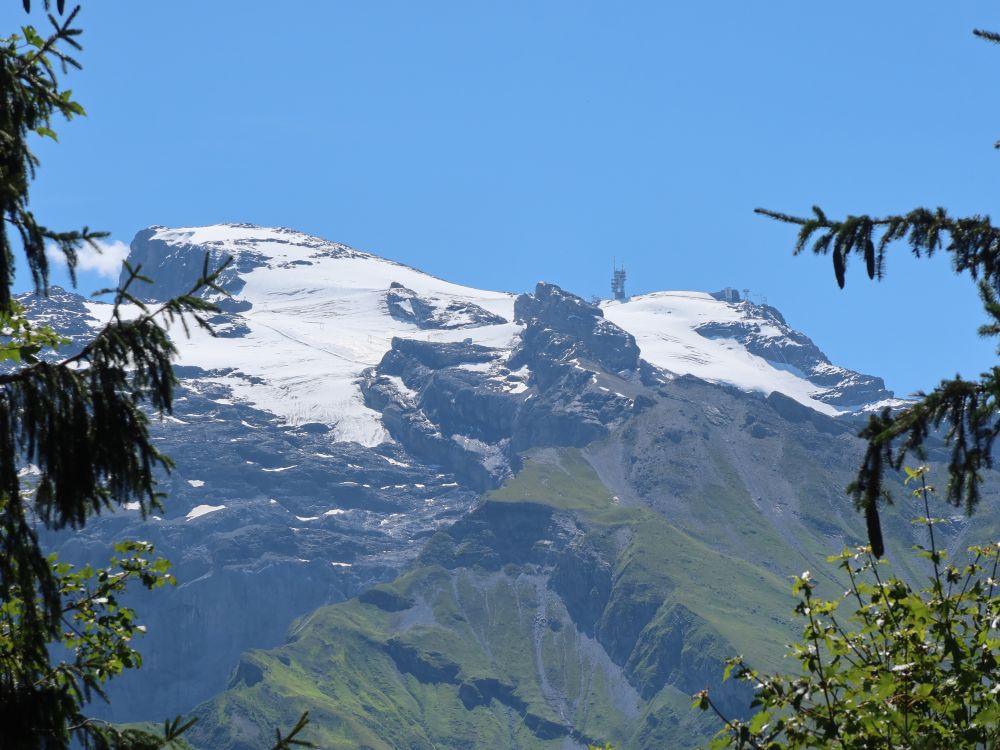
{"points": [[394, 462], [401, 387], [202, 510], [664, 325]]}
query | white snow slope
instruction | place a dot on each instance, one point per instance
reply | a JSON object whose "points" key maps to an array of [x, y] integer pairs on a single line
{"points": [[664, 324], [319, 318]]}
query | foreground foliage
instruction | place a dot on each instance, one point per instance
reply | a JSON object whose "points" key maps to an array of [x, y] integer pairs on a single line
{"points": [[74, 442], [969, 409], [907, 669]]}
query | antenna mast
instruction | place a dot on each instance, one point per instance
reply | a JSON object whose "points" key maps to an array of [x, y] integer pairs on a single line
{"points": [[618, 281]]}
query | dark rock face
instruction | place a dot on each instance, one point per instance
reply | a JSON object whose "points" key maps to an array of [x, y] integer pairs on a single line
{"points": [[65, 312], [246, 673], [582, 578], [433, 356], [792, 350], [472, 408], [386, 599], [228, 326], [173, 266], [792, 411], [406, 305], [496, 535], [480, 692], [426, 666], [564, 324], [444, 413], [585, 369]]}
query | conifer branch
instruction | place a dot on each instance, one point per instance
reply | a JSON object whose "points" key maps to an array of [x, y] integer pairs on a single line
{"points": [[970, 409], [973, 242], [989, 36], [31, 98], [290, 740], [174, 309], [84, 421]]}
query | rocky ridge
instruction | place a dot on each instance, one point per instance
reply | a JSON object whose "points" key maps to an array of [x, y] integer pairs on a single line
{"points": [[762, 330]]}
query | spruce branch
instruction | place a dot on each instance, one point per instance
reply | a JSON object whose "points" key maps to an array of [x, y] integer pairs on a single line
{"points": [[969, 412], [973, 242], [989, 36], [84, 421], [291, 740], [31, 98], [970, 409]]}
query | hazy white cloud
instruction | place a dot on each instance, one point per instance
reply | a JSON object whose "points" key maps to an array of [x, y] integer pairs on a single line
{"points": [[107, 262]]}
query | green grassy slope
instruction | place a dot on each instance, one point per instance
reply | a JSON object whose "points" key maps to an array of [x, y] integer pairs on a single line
{"points": [[476, 647], [586, 599]]}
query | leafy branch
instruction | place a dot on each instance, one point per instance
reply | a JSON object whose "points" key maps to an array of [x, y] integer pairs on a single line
{"points": [[910, 669]]}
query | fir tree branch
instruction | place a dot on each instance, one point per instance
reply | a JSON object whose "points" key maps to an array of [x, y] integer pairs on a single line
{"points": [[989, 36], [973, 242], [969, 408], [291, 740], [173, 309]]}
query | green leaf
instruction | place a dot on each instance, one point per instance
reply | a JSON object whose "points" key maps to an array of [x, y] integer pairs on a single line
{"points": [[759, 721]]}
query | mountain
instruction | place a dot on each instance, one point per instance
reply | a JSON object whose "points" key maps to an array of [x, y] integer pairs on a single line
{"points": [[501, 520], [746, 345]]}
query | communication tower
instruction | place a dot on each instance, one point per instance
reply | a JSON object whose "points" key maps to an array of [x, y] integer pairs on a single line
{"points": [[618, 282]]}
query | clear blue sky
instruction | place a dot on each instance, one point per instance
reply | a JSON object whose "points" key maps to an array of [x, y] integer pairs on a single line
{"points": [[497, 144]]}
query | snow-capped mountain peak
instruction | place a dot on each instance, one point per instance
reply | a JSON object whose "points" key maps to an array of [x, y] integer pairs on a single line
{"points": [[309, 317], [743, 344]]}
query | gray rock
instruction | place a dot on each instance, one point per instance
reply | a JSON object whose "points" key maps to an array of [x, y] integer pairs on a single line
{"points": [[469, 410], [430, 312], [560, 321]]}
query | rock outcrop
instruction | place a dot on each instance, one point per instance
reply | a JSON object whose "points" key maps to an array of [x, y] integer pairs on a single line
{"points": [[473, 409], [433, 312]]}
